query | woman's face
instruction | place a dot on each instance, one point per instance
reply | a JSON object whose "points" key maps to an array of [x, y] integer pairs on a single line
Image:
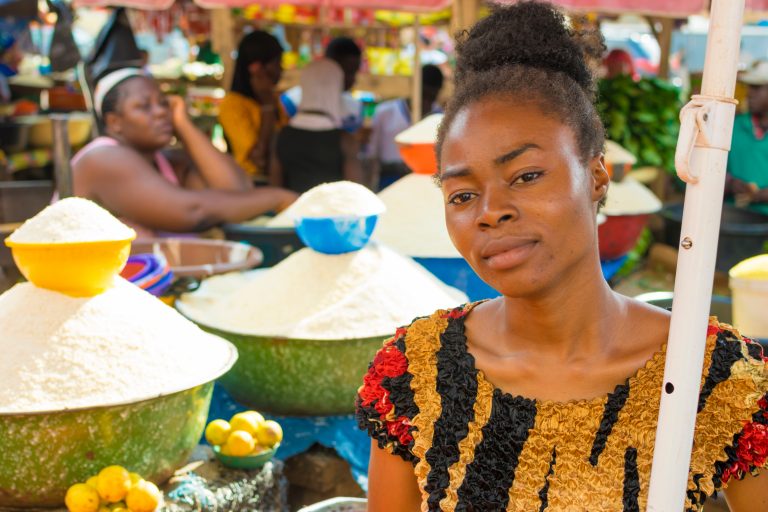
{"points": [[520, 204], [143, 115]]}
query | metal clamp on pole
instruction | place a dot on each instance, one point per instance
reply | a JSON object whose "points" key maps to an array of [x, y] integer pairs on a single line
{"points": [[705, 122], [62, 153]]}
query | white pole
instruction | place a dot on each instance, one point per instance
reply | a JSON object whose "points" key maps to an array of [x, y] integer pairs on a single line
{"points": [[702, 152]]}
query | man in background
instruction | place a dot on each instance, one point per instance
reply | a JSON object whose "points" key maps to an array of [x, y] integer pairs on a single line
{"points": [[348, 55], [747, 171]]}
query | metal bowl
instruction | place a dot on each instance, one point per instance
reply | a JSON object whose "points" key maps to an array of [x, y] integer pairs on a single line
{"points": [[294, 376], [43, 453]]}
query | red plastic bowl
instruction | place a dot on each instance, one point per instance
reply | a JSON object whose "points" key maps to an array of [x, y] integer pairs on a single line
{"points": [[420, 158], [619, 234]]}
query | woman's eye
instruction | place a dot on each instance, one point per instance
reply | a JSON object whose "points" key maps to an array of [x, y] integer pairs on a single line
{"points": [[528, 176], [461, 197]]}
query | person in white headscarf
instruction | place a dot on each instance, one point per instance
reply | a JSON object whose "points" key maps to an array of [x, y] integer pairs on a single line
{"points": [[314, 148]]}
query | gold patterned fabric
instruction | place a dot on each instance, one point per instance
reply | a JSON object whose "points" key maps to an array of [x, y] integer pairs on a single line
{"points": [[476, 448]]}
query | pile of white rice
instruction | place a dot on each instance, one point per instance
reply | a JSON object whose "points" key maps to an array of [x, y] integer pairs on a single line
{"points": [[72, 220], [124, 345], [311, 295], [337, 199]]}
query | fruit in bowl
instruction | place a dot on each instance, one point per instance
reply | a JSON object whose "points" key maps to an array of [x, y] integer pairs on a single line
{"points": [[114, 489], [246, 441]]}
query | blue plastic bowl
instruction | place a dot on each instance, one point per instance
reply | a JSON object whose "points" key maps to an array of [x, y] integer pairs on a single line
{"points": [[336, 235]]}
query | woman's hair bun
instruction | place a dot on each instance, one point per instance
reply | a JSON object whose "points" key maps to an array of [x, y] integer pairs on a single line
{"points": [[528, 33]]}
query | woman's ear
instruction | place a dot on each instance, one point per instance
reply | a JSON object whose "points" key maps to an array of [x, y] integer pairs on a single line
{"points": [[255, 67], [112, 123], [600, 178]]}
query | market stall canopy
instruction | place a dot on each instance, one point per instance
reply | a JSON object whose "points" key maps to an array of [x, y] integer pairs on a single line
{"points": [[399, 5], [667, 8]]}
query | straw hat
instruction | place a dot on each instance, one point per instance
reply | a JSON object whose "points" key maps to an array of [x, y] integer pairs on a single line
{"points": [[757, 74]]}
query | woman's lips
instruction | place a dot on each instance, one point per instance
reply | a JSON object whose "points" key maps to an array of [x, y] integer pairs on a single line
{"points": [[507, 253]]}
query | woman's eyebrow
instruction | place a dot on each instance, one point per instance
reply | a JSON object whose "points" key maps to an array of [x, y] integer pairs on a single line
{"points": [[511, 155]]}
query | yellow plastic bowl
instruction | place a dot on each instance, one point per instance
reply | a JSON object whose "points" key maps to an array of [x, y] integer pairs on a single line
{"points": [[82, 269]]}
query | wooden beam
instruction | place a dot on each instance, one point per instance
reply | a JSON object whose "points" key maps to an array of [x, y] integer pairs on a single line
{"points": [[223, 41], [665, 43], [464, 14]]}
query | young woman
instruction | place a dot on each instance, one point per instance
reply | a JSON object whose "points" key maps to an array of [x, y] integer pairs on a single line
{"points": [[313, 148], [250, 113], [128, 172], [546, 398]]}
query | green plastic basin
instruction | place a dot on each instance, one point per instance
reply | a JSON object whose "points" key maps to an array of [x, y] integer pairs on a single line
{"points": [[43, 453], [293, 376]]}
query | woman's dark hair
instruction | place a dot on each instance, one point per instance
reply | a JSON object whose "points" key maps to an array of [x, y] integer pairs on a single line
{"points": [[341, 47], [111, 101], [258, 46], [527, 53], [431, 76]]}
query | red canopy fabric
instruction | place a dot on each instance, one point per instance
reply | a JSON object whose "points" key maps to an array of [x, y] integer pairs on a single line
{"points": [[667, 8], [395, 5]]}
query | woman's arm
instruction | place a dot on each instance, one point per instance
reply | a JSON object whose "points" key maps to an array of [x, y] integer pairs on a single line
{"points": [[276, 166], [260, 153], [391, 483], [749, 494], [350, 148], [217, 170], [129, 187]]}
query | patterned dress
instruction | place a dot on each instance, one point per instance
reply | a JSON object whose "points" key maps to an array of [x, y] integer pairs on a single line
{"points": [[476, 448]]}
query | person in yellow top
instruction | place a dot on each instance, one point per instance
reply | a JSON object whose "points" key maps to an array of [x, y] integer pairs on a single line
{"points": [[250, 113]]}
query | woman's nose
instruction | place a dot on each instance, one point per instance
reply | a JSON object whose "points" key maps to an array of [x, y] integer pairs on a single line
{"points": [[496, 207]]}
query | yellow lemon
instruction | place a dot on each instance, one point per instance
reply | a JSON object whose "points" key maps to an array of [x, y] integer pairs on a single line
{"points": [[247, 421], [118, 507], [113, 484], [93, 482], [258, 449], [217, 432], [269, 433], [224, 450], [104, 508], [135, 478], [240, 443], [82, 498], [143, 497]]}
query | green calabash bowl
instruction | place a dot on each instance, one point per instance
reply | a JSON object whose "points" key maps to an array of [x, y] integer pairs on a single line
{"points": [[43, 453], [296, 377]]}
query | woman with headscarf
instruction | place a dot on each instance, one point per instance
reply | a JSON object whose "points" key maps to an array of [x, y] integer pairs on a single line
{"points": [[313, 148], [250, 113], [130, 171]]}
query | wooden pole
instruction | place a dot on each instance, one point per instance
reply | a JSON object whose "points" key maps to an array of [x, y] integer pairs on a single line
{"points": [[665, 43], [416, 79], [223, 41], [464, 14]]}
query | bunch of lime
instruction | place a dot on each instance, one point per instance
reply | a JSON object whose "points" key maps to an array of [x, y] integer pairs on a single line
{"points": [[114, 489], [245, 434]]}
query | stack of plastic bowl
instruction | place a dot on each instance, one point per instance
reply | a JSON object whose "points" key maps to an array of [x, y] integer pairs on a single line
{"points": [[150, 272]]}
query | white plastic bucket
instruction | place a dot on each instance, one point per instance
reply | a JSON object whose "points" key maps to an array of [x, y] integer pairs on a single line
{"points": [[749, 287]]}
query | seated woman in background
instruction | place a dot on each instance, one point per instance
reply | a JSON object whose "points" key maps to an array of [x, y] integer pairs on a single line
{"points": [[313, 148], [152, 190], [250, 113]]}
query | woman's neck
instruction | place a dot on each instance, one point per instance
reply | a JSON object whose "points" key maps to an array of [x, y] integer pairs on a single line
{"points": [[569, 319], [147, 155]]}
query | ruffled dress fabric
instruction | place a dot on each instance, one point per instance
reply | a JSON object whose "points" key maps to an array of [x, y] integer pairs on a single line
{"points": [[476, 448]]}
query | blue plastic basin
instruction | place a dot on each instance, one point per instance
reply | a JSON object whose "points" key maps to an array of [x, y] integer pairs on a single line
{"points": [[336, 235]]}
